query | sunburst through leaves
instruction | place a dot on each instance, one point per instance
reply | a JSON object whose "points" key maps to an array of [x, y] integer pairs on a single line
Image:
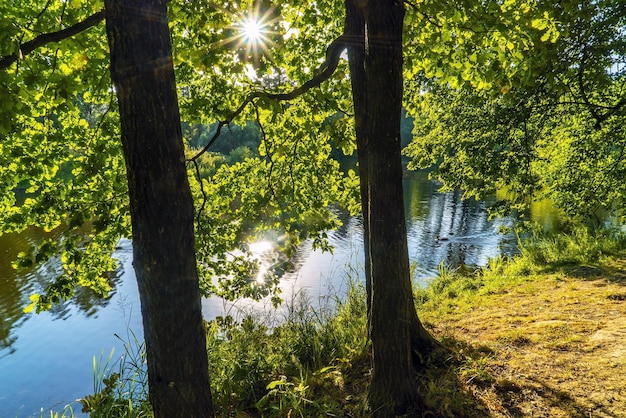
{"points": [[253, 31]]}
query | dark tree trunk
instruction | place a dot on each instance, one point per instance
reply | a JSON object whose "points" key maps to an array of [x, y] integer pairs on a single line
{"points": [[355, 30], [393, 389], [395, 330], [161, 208]]}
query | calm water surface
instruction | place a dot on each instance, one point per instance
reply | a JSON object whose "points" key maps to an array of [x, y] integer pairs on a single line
{"points": [[46, 359]]}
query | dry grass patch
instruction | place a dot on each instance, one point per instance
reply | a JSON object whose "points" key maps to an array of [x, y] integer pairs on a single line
{"points": [[550, 347]]}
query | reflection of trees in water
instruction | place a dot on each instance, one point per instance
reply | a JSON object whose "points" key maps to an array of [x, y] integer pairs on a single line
{"points": [[447, 228], [336, 237], [343, 232], [84, 301], [440, 227], [10, 311], [15, 288], [418, 190]]}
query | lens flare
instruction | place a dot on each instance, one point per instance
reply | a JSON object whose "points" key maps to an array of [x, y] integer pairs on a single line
{"points": [[252, 30]]}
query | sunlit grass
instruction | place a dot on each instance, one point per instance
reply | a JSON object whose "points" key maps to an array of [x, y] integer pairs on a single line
{"points": [[530, 335], [67, 412], [301, 364], [453, 290], [507, 326], [120, 387]]}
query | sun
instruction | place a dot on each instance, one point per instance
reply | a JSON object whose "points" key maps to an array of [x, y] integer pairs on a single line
{"points": [[252, 30], [254, 35]]}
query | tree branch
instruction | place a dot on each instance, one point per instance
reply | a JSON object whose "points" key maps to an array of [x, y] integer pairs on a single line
{"points": [[581, 87], [46, 38], [325, 70], [610, 109]]}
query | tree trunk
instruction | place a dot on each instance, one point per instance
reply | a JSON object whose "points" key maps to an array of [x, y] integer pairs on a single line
{"points": [[393, 389], [355, 30], [395, 330], [161, 208]]}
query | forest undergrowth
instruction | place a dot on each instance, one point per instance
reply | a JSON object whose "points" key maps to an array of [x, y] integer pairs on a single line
{"points": [[542, 334]]}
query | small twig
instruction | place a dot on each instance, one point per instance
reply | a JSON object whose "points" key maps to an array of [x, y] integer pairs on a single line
{"points": [[43, 10], [291, 174], [204, 196], [268, 152], [611, 170], [583, 92], [612, 109]]}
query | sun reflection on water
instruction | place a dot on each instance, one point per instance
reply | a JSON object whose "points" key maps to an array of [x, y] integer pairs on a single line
{"points": [[260, 250]]}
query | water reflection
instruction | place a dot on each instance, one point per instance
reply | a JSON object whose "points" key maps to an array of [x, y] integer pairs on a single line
{"points": [[444, 228], [15, 288], [441, 228], [545, 215], [46, 359]]}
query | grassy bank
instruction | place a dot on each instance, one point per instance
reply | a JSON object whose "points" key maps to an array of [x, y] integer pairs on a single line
{"points": [[539, 335]]}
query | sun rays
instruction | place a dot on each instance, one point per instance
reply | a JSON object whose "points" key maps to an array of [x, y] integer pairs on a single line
{"points": [[252, 33], [252, 30]]}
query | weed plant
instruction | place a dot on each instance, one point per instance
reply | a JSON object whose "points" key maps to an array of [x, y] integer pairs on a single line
{"points": [[121, 387], [299, 367], [67, 412], [313, 363], [582, 246]]}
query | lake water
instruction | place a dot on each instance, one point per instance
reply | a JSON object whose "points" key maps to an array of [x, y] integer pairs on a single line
{"points": [[46, 359]]}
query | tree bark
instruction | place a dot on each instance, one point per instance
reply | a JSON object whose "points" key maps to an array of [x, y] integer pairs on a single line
{"points": [[375, 58], [393, 389], [355, 32], [161, 208]]}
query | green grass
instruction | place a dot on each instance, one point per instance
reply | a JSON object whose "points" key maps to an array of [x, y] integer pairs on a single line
{"points": [[67, 412], [582, 246], [540, 255], [301, 365], [120, 388], [308, 362], [313, 363]]}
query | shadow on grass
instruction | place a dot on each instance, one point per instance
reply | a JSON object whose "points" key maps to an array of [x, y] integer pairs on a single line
{"points": [[446, 387], [612, 272], [561, 400], [470, 383]]}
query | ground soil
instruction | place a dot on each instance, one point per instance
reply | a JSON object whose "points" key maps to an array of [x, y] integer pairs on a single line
{"points": [[554, 347]]}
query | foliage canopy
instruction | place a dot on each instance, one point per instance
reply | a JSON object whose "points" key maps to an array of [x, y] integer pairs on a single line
{"points": [[553, 129], [515, 95]]}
